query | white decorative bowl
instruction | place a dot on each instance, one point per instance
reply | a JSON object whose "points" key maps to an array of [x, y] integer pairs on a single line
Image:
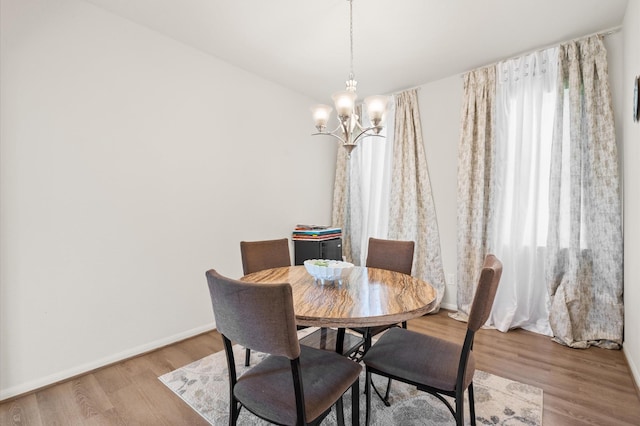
{"points": [[326, 270]]}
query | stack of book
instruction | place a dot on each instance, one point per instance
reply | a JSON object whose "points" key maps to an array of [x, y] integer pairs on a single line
{"points": [[316, 232]]}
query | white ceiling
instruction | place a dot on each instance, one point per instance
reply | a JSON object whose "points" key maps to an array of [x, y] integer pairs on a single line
{"points": [[304, 44]]}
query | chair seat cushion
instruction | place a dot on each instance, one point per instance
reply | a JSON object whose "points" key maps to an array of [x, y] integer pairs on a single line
{"points": [[419, 358], [267, 389]]}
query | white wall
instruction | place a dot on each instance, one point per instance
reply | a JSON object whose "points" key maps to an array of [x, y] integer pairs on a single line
{"points": [[129, 165], [631, 32], [127, 168], [440, 106]]}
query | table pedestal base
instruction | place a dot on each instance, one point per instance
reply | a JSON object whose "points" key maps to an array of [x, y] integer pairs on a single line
{"points": [[326, 339]]}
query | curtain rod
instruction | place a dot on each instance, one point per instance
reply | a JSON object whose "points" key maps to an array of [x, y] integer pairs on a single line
{"points": [[540, 49]]}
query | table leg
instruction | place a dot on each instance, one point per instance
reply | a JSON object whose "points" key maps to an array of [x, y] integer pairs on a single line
{"points": [[340, 341]]}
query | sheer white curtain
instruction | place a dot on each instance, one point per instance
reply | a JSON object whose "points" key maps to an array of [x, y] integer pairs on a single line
{"points": [[384, 191], [369, 182], [525, 107]]}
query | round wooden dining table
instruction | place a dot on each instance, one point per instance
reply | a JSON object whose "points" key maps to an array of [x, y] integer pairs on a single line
{"points": [[364, 297]]}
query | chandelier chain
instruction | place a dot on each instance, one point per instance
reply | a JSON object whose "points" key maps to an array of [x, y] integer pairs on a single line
{"points": [[350, 127], [351, 74]]}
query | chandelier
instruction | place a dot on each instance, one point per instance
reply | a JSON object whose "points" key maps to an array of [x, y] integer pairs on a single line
{"points": [[350, 129]]}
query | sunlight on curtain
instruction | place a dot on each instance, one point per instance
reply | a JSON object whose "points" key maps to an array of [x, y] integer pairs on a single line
{"points": [[541, 190], [564, 184], [525, 106], [370, 177], [585, 247]]}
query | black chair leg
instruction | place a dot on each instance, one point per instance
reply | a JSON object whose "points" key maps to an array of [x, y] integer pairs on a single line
{"points": [[247, 357], [234, 412], [386, 394], [367, 391], [340, 412], [459, 408], [472, 408], [368, 341], [355, 403], [385, 398]]}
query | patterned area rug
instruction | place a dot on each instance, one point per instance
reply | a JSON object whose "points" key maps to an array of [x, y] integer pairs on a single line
{"points": [[203, 385]]}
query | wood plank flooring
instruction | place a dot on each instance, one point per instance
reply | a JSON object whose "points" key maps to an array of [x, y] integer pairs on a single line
{"points": [[581, 387]]}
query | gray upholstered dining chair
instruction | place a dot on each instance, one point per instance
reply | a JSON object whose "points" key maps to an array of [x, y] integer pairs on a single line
{"points": [[266, 254], [435, 365], [294, 384], [392, 255], [261, 255]]}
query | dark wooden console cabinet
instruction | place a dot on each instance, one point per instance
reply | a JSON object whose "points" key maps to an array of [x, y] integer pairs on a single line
{"points": [[311, 249]]}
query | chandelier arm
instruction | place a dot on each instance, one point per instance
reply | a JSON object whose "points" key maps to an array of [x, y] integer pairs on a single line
{"points": [[360, 126], [338, 127], [364, 133], [329, 134]]}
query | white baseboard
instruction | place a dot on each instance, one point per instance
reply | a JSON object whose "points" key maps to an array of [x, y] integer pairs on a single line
{"points": [[94, 365], [634, 368], [449, 306]]}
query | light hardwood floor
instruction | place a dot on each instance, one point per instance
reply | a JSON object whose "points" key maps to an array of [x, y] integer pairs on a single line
{"points": [[581, 387]]}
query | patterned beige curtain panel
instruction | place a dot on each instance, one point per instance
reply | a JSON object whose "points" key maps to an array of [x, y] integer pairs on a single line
{"points": [[347, 207], [412, 214], [583, 263], [475, 175]]}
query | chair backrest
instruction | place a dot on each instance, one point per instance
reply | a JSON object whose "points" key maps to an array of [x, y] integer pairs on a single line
{"points": [[392, 255], [480, 310], [267, 254], [258, 316], [485, 292]]}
